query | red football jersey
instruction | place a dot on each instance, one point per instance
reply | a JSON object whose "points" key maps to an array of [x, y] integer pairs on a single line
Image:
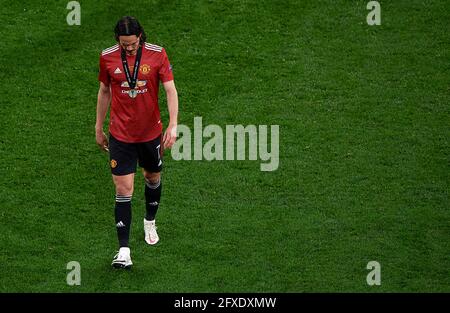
{"points": [[135, 119]]}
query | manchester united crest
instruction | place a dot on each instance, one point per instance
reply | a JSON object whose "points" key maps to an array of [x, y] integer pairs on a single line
{"points": [[145, 69], [113, 163]]}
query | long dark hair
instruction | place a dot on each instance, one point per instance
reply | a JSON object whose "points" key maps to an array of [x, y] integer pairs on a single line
{"points": [[128, 26]]}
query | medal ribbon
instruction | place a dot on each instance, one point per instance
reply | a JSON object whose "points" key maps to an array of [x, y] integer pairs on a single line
{"points": [[131, 80]]}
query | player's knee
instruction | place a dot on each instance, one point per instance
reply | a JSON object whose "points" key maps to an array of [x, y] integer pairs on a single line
{"points": [[152, 178], [124, 189]]}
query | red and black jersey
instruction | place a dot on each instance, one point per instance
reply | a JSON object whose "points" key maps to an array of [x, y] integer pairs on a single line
{"points": [[135, 119]]}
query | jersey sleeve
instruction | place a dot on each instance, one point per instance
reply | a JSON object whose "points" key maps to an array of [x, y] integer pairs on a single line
{"points": [[103, 75], [165, 71]]}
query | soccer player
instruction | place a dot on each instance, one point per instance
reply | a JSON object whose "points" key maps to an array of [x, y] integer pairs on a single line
{"points": [[130, 73]]}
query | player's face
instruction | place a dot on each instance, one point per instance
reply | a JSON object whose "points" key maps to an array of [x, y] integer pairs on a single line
{"points": [[130, 43]]}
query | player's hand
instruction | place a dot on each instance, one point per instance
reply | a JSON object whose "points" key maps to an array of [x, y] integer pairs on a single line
{"points": [[170, 136], [102, 141]]}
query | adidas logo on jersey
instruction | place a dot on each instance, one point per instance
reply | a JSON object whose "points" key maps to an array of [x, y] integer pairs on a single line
{"points": [[117, 71]]}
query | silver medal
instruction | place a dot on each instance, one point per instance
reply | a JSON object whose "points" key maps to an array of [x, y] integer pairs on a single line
{"points": [[132, 93]]}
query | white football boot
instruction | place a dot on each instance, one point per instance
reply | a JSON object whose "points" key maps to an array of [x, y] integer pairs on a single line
{"points": [[151, 236], [122, 259]]}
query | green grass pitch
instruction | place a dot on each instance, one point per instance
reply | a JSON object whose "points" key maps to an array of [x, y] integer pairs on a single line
{"points": [[364, 148]]}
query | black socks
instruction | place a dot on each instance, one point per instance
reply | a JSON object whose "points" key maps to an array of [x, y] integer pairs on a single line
{"points": [[152, 198], [123, 219]]}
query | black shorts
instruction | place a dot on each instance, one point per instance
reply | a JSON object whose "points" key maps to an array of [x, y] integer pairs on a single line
{"points": [[124, 156]]}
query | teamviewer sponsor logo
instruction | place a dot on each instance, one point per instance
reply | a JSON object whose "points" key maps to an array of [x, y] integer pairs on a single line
{"points": [[140, 83]]}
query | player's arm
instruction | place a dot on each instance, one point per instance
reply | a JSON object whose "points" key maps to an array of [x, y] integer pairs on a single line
{"points": [[170, 136], [103, 100]]}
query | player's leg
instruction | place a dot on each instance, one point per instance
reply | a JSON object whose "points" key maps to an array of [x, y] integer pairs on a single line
{"points": [[153, 189], [122, 211], [152, 193], [151, 161], [123, 167]]}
